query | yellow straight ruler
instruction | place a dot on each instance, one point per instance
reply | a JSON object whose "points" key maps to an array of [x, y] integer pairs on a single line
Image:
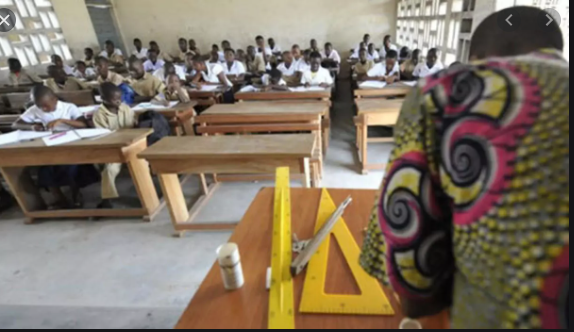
{"points": [[281, 307], [371, 301]]}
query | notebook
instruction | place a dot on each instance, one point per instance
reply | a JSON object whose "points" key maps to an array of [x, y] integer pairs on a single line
{"points": [[372, 85]]}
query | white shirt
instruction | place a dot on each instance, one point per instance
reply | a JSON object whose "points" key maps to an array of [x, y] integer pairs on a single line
{"points": [[380, 70], [422, 70], [116, 51], [303, 66], [287, 71], [375, 56], [90, 72], [68, 70], [383, 52], [151, 67], [333, 56], [221, 56], [266, 80], [65, 111], [179, 71], [212, 75], [142, 54], [237, 68], [275, 49], [320, 77], [267, 50]]}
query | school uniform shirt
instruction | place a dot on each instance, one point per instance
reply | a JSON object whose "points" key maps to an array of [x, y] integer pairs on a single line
{"points": [[321, 76], [113, 77], [258, 65], [68, 70], [383, 52], [179, 71], [180, 95], [103, 118], [363, 69], [333, 56], [117, 56], [148, 86], [408, 67], [64, 111], [164, 56], [24, 78], [275, 49], [90, 63], [149, 66], [90, 73], [303, 66], [380, 70], [72, 84], [221, 55], [422, 69], [287, 71], [236, 69], [375, 56], [141, 54], [267, 50], [212, 75]]}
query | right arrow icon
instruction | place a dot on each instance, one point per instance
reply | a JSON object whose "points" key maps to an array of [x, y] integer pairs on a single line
{"points": [[550, 19]]}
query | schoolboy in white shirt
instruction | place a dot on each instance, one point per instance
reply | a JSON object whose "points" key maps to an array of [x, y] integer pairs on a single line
{"points": [[430, 67], [317, 75], [388, 71]]}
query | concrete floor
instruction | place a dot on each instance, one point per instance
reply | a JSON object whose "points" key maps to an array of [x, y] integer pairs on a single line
{"points": [[129, 274]]}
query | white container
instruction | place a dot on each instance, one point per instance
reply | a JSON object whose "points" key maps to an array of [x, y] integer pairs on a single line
{"points": [[410, 324], [230, 265]]}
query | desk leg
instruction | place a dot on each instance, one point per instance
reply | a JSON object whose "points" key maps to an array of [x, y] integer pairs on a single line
{"points": [[25, 192], [140, 172], [306, 171], [364, 147], [173, 195]]}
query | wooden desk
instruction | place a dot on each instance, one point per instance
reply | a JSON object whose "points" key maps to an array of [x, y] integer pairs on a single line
{"points": [[208, 98], [221, 154], [247, 308], [283, 95], [16, 89], [119, 147], [374, 112], [393, 90], [182, 113]]}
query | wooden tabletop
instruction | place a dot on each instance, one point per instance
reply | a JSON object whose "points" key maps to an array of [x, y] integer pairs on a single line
{"points": [[268, 108], [179, 107], [278, 95], [214, 308], [227, 147], [116, 139], [395, 89], [379, 105]]}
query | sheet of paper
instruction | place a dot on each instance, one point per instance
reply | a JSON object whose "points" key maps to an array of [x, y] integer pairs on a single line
{"points": [[88, 110], [249, 88], [89, 133], [28, 135], [304, 89], [61, 138], [150, 106], [315, 88], [209, 87], [372, 85], [98, 99], [410, 83], [9, 138]]}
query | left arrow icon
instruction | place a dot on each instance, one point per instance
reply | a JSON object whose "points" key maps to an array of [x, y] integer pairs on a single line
{"points": [[508, 20]]}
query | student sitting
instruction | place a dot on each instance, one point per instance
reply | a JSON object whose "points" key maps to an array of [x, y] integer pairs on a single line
{"points": [[241, 57], [305, 63], [256, 64], [363, 66], [404, 55], [58, 81], [105, 74], [193, 47], [331, 58], [214, 54], [113, 115], [233, 69], [224, 46], [313, 47], [316, 75], [20, 76], [50, 114], [362, 46], [144, 84], [372, 53], [387, 46], [274, 81], [430, 67], [160, 54], [408, 67], [84, 72], [139, 52], [180, 57], [175, 90], [261, 48], [113, 54], [58, 62], [297, 55], [189, 69], [388, 71], [89, 59], [209, 73], [288, 69], [366, 41], [167, 69], [153, 62], [275, 49]]}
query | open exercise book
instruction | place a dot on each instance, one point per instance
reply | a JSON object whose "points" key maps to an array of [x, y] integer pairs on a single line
{"points": [[151, 106], [74, 135], [22, 135], [372, 85]]}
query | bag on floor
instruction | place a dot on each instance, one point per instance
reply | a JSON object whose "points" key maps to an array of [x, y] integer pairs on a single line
{"points": [[157, 122]]}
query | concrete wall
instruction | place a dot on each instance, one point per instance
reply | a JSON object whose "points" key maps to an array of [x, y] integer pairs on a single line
{"points": [[342, 22], [76, 25]]}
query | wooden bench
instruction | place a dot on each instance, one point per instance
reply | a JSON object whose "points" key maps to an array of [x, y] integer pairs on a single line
{"points": [[251, 154], [374, 112]]}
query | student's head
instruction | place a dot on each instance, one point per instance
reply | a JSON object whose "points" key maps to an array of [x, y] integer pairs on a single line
{"points": [[328, 48], [14, 65], [138, 44], [271, 42], [229, 55], [251, 51], [152, 55], [225, 45], [260, 41], [169, 68], [275, 76], [366, 39], [287, 57], [89, 53], [296, 51], [173, 81], [391, 58], [315, 61], [57, 73], [416, 55], [154, 46], [214, 48], [307, 55], [198, 63], [240, 54], [214, 56], [362, 46], [111, 95], [189, 60], [110, 47], [57, 60], [137, 69], [432, 57], [44, 98], [192, 44], [182, 43], [371, 48], [313, 44], [404, 53], [363, 55], [81, 66], [489, 40], [387, 41]]}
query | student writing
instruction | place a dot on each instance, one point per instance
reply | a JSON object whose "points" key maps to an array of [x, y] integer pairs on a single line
{"points": [[388, 71], [316, 75], [20, 76]]}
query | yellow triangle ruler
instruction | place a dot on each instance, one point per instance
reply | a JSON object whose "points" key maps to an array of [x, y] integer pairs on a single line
{"points": [[372, 300], [281, 307]]}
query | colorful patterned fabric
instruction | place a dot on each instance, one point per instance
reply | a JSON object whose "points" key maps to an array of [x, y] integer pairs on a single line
{"points": [[477, 191]]}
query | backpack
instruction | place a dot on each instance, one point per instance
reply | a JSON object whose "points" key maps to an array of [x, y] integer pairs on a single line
{"points": [[128, 94], [157, 122]]}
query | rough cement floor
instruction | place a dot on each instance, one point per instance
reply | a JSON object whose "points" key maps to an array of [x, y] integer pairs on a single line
{"points": [[129, 274]]}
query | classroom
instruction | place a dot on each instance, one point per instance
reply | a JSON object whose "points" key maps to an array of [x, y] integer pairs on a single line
{"points": [[211, 164]]}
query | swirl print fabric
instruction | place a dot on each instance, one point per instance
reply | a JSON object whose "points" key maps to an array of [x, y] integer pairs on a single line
{"points": [[476, 195]]}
